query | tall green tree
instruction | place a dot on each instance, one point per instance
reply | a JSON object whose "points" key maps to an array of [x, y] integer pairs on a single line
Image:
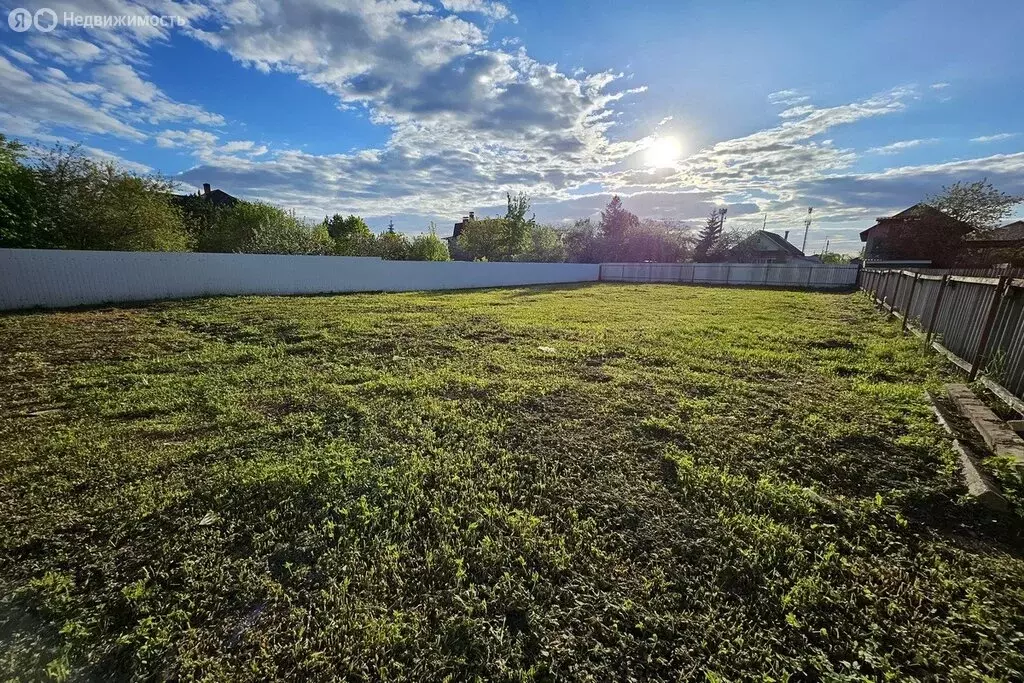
{"points": [[710, 235], [516, 228], [484, 239], [616, 222], [979, 204]]}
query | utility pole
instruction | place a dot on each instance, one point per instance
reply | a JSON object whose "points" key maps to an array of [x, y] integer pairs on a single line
{"points": [[764, 224], [807, 227]]}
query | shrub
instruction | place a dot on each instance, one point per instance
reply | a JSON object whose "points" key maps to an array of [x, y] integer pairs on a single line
{"points": [[392, 246], [258, 228], [65, 200], [428, 248]]}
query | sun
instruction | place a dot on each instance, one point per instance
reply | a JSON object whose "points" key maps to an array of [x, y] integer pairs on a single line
{"points": [[663, 152]]}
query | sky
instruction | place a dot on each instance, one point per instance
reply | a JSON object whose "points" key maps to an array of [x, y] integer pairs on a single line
{"points": [[417, 111]]}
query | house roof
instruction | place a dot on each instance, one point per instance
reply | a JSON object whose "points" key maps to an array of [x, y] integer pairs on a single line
{"points": [[777, 240], [919, 213], [215, 197], [1012, 232], [780, 242], [221, 198]]}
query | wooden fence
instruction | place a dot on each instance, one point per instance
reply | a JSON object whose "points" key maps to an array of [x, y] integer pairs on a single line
{"points": [[976, 322], [803, 275]]}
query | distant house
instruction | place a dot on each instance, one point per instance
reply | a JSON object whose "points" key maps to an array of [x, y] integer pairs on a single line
{"points": [[767, 247], [921, 233], [1007, 237], [453, 241], [214, 197], [1003, 245]]}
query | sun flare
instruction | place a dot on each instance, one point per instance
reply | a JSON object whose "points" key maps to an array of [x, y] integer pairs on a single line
{"points": [[663, 152]]}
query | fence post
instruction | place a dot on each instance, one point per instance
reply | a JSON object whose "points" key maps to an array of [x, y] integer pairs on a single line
{"points": [[728, 271], [986, 331], [910, 301], [896, 290], [935, 308], [810, 273]]}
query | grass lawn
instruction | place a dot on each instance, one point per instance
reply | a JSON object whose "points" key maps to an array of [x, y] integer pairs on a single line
{"points": [[595, 482]]}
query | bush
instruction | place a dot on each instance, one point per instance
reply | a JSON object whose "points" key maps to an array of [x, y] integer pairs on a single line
{"points": [[68, 201], [428, 248], [21, 224], [545, 245], [351, 236], [258, 228], [392, 246], [483, 239]]}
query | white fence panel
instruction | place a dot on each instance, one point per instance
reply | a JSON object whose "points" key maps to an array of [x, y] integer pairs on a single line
{"points": [[54, 278], [809, 275]]}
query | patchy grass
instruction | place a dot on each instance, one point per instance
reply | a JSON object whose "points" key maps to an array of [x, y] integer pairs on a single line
{"points": [[595, 482]]}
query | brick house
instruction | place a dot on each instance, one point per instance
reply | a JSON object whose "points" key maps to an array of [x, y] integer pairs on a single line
{"points": [[920, 233]]}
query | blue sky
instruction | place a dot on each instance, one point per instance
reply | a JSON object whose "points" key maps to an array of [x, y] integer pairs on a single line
{"points": [[420, 111]]}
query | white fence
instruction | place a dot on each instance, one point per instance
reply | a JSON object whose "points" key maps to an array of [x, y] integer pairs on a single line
{"points": [[804, 275], [53, 278]]}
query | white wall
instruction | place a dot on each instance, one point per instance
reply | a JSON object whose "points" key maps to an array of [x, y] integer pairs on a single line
{"points": [[806, 274], [53, 278]]}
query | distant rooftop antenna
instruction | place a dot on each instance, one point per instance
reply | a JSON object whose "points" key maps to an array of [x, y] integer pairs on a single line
{"points": [[807, 227]]}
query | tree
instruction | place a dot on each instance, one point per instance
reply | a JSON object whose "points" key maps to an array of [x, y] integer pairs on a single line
{"points": [[21, 223], [582, 243], [834, 258], [94, 205], [484, 239], [199, 216], [351, 236], [546, 245], [516, 228], [979, 204], [658, 241], [617, 222], [392, 246], [710, 234], [428, 248]]}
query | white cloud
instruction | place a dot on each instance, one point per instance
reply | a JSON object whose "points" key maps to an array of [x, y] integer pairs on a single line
{"points": [[55, 104], [994, 138], [788, 98], [939, 86], [66, 50], [19, 56], [901, 145], [494, 10]]}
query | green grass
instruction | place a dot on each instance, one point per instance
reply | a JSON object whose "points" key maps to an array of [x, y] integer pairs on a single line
{"points": [[595, 482]]}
